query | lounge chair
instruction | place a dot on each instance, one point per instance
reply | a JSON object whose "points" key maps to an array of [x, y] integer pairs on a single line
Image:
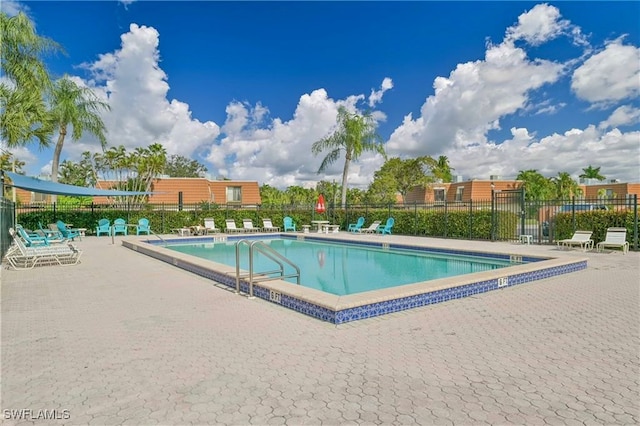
{"points": [[267, 226], [616, 238], [119, 227], [104, 227], [355, 227], [386, 229], [31, 239], [66, 231], [19, 256], [210, 225], [289, 225], [580, 238], [371, 229], [230, 226], [247, 226], [143, 226]]}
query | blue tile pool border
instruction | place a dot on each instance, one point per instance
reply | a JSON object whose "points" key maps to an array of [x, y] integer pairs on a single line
{"points": [[368, 310]]}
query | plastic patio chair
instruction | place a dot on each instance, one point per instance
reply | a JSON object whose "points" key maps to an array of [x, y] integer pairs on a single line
{"points": [[386, 229], [143, 226], [120, 227], [289, 225], [69, 234], [354, 227], [104, 227]]}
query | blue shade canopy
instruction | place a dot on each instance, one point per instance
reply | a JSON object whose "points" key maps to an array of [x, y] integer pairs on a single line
{"points": [[48, 187]]}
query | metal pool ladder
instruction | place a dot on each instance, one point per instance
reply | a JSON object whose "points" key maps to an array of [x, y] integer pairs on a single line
{"points": [[267, 251]]}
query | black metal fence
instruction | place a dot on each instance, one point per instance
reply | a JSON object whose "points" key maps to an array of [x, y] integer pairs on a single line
{"points": [[7, 220], [504, 217]]}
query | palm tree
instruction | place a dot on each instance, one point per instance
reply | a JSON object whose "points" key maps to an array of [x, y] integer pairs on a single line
{"points": [[565, 186], [592, 173], [442, 170], [23, 112], [537, 187], [355, 134], [79, 107]]}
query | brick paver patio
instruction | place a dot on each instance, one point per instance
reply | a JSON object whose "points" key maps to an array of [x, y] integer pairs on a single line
{"points": [[124, 339]]}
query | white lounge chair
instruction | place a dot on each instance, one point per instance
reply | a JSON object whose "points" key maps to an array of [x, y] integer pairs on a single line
{"points": [[231, 226], [247, 226], [580, 238], [19, 256], [371, 229], [210, 225], [267, 226], [617, 238]]}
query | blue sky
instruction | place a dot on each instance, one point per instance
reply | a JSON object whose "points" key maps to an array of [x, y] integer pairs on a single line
{"points": [[247, 87]]}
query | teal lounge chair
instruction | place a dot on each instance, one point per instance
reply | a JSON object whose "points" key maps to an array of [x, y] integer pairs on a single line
{"points": [[119, 227], [31, 239], [355, 227], [143, 227], [104, 227], [69, 234], [386, 229], [289, 225]]}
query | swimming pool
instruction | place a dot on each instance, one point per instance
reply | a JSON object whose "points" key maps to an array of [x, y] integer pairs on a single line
{"points": [[342, 269], [339, 309]]}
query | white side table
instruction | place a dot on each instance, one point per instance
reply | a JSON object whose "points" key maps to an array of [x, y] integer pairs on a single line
{"points": [[526, 239]]}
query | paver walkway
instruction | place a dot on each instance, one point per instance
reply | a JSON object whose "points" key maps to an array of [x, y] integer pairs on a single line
{"points": [[124, 339]]}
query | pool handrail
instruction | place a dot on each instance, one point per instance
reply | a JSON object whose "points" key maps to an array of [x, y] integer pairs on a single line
{"points": [[271, 254]]}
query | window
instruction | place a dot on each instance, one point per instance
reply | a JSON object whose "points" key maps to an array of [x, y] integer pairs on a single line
{"points": [[38, 198], [459, 192], [234, 194], [438, 195]]}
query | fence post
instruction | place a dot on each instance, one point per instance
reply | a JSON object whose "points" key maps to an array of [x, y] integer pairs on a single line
{"points": [[415, 218], [523, 213], [470, 219], [635, 221], [493, 214]]}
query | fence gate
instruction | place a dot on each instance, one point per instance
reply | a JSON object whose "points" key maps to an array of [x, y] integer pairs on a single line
{"points": [[508, 215]]}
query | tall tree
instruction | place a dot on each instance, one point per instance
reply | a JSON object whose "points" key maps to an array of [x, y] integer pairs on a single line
{"points": [[536, 186], [354, 135], [441, 169], [179, 166], [25, 81], [401, 176], [591, 172], [565, 186], [8, 162], [78, 107], [271, 195]]}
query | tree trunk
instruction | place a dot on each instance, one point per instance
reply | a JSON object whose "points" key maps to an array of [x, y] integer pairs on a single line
{"points": [[345, 174], [56, 159]]}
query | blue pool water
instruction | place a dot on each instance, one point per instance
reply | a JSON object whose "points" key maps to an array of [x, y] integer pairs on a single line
{"points": [[343, 269]]}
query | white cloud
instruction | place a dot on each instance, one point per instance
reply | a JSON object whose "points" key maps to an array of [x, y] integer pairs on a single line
{"points": [[617, 153], [132, 82], [539, 25], [623, 116], [376, 95], [472, 100], [279, 152], [610, 75], [12, 8]]}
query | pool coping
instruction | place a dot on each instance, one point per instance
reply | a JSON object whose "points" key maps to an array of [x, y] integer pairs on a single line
{"points": [[342, 309]]}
